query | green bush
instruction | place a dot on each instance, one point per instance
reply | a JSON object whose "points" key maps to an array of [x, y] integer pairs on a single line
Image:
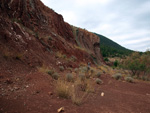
{"points": [[55, 76], [98, 74], [61, 68], [73, 58], [82, 76], [76, 70], [69, 77], [145, 78], [50, 72], [129, 79], [99, 81], [116, 63], [117, 76], [83, 69]]}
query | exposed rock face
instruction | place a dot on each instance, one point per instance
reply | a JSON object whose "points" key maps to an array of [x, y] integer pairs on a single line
{"points": [[32, 32], [89, 41], [34, 15]]}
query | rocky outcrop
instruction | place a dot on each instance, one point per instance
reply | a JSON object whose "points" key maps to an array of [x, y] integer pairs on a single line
{"points": [[32, 32], [89, 41]]}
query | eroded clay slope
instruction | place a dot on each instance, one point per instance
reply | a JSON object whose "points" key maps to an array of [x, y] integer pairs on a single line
{"points": [[33, 33]]}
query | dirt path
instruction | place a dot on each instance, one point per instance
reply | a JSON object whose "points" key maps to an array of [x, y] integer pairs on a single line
{"points": [[34, 93]]}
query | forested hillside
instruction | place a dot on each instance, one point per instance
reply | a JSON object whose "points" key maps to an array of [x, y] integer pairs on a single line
{"points": [[110, 48]]}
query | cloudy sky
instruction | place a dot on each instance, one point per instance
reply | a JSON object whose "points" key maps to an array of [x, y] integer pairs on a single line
{"points": [[126, 22]]}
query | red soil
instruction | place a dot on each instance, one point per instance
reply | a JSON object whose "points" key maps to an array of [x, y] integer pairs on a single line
{"points": [[34, 93]]}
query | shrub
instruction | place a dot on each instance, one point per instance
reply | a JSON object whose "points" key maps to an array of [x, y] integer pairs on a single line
{"points": [[99, 81], [76, 70], [82, 76], [63, 89], [129, 79], [55, 76], [145, 78], [83, 69], [117, 76], [61, 68], [116, 63], [69, 77], [73, 58], [106, 59], [50, 72], [98, 74], [92, 71]]}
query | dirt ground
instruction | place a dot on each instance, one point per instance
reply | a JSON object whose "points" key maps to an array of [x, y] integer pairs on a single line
{"points": [[34, 93]]}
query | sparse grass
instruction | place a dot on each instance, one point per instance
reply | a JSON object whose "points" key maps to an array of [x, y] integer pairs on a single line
{"points": [[90, 87], [44, 69], [129, 79], [117, 76], [63, 89], [60, 55], [80, 48], [98, 81], [77, 91]]}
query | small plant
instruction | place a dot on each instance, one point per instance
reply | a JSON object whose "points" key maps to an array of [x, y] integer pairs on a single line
{"points": [[70, 69], [18, 57], [116, 63], [69, 77], [98, 74], [73, 58], [129, 79], [117, 76], [61, 68], [99, 81], [50, 72], [145, 78], [55, 76], [63, 89], [76, 70], [83, 69], [82, 76]]}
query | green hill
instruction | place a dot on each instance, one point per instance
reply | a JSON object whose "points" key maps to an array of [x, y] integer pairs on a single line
{"points": [[110, 48]]}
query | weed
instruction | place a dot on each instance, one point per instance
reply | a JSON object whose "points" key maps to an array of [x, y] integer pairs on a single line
{"points": [[55, 76], [98, 74], [83, 69], [145, 78], [99, 81], [50, 72], [117, 76], [76, 70], [63, 89], [61, 68], [69, 77], [129, 79]]}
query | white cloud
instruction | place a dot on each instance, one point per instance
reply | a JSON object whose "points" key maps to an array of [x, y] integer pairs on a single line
{"points": [[91, 2], [69, 16]]}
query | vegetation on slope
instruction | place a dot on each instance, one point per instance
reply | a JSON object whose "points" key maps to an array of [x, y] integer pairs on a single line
{"points": [[138, 64], [110, 48]]}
